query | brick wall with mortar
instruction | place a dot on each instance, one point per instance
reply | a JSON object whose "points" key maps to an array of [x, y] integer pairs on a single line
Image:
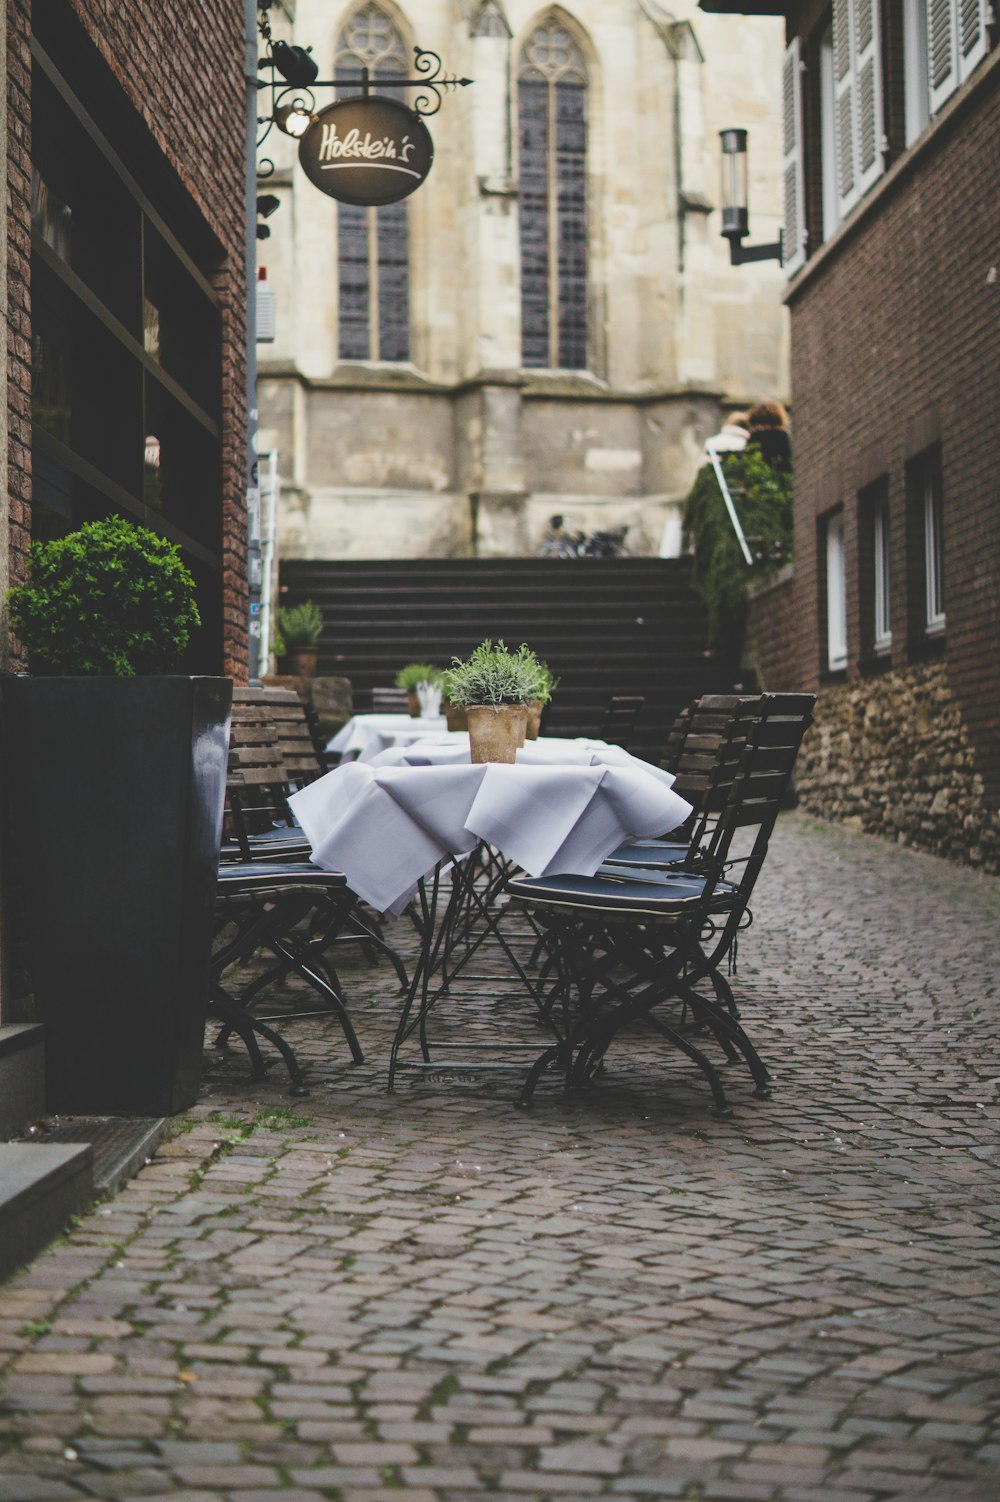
{"points": [[193, 106], [894, 352]]}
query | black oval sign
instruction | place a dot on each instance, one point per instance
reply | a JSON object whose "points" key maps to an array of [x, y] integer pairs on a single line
{"points": [[367, 151]]}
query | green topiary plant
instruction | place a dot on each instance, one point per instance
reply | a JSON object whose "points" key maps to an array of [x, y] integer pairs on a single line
{"points": [[111, 599], [763, 499], [417, 672], [494, 675], [298, 626]]}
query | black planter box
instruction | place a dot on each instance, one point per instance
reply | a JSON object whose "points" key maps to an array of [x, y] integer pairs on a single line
{"points": [[115, 791]]}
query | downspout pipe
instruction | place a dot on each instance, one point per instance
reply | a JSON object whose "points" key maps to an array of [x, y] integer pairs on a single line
{"points": [[252, 474]]}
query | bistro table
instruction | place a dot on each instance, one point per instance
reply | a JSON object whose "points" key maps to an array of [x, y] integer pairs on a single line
{"points": [[398, 826], [365, 735]]}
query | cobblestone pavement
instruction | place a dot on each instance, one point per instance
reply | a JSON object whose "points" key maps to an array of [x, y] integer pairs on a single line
{"points": [[358, 1296]]}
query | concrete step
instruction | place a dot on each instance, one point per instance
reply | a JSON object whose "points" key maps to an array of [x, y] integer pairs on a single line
{"points": [[22, 1077], [41, 1187]]}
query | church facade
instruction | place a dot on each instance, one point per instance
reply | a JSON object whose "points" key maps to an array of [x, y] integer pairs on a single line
{"points": [[550, 325]]}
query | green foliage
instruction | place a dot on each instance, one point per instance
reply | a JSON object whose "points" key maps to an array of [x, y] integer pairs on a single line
{"points": [[298, 626], [494, 675], [112, 599], [763, 499], [546, 682], [418, 672]]}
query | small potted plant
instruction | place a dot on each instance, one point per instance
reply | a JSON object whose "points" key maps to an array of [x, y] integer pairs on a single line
{"points": [[411, 677], [495, 687], [118, 763], [545, 685], [299, 630]]}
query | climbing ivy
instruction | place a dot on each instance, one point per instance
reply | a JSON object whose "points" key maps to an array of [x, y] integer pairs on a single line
{"points": [[763, 499]]}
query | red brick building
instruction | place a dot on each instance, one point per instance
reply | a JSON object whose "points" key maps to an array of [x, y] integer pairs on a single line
{"points": [[125, 286], [892, 236]]}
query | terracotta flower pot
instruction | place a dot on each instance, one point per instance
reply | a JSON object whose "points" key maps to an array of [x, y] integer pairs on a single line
{"points": [[413, 703], [496, 731], [455, 715], [534, 719], [300, 662]]}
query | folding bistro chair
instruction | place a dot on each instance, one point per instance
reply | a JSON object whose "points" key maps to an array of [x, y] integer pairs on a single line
{"points": [[627, 941], [619, 719], [271, 899]]}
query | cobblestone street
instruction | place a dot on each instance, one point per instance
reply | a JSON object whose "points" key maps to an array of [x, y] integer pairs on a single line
{"points": [[433, 1295]]}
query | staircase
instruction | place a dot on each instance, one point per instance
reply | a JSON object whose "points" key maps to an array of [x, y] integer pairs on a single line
{"points": [[604, 625]]}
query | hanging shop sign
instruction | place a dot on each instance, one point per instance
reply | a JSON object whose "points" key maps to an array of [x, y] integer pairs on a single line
{"points": [[369, 150]]}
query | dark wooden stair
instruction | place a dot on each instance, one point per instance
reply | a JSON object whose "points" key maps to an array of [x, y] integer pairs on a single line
{"points": [[604, 625]]}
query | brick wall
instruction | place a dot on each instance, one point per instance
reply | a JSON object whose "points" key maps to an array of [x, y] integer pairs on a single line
{"points": [[181, 69], [895, 351], [770, 646]]}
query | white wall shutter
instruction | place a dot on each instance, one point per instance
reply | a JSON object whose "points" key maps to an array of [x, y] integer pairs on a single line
{"points": [[843, 117], [973, 40], [794, 232], [867, 92], [858, 98], [942, 51]]}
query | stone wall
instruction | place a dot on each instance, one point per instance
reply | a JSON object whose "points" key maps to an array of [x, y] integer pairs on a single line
{"points": [[890, 755]]}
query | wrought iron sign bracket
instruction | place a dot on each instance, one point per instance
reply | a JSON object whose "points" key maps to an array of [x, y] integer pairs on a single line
{"points": [[293, 98]]}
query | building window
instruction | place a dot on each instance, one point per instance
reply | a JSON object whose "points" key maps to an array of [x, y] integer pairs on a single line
{"points": [[373, 243], [552, 142], [836, 594], [881, 601], [126, 331], [874, 576], [933, 519]]}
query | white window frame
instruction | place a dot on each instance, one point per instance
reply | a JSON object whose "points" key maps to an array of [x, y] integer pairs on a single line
{"points": [[933, 507], [881, 602], [836, 593]]}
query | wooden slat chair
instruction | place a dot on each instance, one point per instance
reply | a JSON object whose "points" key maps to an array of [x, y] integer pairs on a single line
{"points": [[627, 941], [619, 719], [697, 742], [276, 903], [319, 911], [389, 701]]}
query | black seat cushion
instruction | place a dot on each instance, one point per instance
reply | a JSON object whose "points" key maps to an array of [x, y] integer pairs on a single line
{"points": [[256, 876], [664, 895]]}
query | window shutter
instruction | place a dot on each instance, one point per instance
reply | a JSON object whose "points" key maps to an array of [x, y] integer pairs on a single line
{"points": [[942, 51], [857, 98], [794, 233], [843, 116], [972, 36], [867, 93]]}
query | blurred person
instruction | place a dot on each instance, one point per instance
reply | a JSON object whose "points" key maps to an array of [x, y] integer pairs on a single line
{"points": [[768, 427]]}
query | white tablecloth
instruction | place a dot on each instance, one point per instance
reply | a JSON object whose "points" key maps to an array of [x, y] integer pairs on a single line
{"points": [[365, 735], [386, 827]]}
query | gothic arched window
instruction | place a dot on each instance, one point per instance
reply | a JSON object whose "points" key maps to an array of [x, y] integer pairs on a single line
{"points": [[552, 146], [373, 244]]}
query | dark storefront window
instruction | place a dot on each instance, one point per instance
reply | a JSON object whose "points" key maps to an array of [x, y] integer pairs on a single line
{"points": [[373, 243], [126, 339], [552, 161]]}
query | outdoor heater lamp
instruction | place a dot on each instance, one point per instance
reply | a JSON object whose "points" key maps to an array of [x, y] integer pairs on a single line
{"points": [[735, 206]]}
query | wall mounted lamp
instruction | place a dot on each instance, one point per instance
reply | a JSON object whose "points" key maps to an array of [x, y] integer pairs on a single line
{"points": [[735, 209]]}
